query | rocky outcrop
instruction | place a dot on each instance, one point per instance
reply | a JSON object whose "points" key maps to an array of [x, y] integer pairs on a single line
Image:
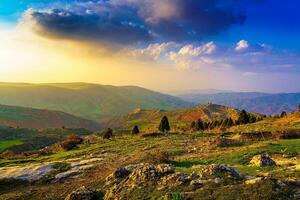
{"points": [[26, 173], [262, 161], [209, 171], [82, 194], [162, 178]]}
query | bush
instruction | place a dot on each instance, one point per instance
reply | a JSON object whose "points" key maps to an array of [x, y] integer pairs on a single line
{"points": [[71, 142], [108, 134], [135, 130], [157, 157]]}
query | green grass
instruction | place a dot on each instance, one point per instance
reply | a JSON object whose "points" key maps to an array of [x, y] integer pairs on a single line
{"points": [[6, 144], [242, 158]]}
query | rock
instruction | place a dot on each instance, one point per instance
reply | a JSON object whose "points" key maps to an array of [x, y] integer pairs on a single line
{"points": [[297, 195], [27, 173], [253, 180], [144, 176], [217, 180], [219, 170], [82, 194], [262, 161], [196, 183]]}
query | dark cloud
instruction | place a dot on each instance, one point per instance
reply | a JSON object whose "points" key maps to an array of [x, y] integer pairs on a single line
{"points": [[62, 23], [132, 21]]}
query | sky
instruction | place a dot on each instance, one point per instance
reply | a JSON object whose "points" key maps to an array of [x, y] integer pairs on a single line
{"points": [[165, 45]]}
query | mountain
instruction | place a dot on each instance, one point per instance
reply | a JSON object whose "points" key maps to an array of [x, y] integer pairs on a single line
{"points": [[252, 101], [149, 119], [90, 101], [36, 118]]}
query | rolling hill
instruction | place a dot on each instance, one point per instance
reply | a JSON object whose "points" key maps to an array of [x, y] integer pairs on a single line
{"points": [[149, 119], [252, 101], [36, 118], [90, 101]]}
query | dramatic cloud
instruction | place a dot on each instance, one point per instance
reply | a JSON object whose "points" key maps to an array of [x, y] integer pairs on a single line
{"points": [[249, 59], [134, 21]]}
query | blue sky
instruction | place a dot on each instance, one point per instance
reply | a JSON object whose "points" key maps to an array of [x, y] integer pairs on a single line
{"points": [[252, 38]]}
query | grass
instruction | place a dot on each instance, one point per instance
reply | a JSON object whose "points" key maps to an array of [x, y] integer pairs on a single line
{"points": [[6, 144], [242, 158]]}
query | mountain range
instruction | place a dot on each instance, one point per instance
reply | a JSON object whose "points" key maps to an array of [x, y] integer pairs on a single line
{"points": [[22, 117], [90, 101], [265, 103]]}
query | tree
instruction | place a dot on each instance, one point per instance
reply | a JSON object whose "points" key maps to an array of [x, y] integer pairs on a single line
{"points": [[193, 125], [252, 119], [243, 118], [135, 130], [225, 123], [108, 133], [283, 114], [199, 125], [164, 125], [299, 106], [230, 122]]}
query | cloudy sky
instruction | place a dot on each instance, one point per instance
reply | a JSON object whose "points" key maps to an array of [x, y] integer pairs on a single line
{"points": [[165, 45]]}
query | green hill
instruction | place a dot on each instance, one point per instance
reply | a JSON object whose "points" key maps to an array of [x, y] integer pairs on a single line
{"points": [[90, 101], [36, 118], [149, 119]]}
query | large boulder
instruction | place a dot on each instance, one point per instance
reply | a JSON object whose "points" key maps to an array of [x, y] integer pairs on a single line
{"points": [[214, 170], [262, 161], [148, 177], [82, 194]]}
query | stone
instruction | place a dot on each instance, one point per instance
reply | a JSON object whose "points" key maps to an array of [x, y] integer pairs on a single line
{"points": [[219, 170], [262, 161], [253, 180], [196, 183], [82, 194]]}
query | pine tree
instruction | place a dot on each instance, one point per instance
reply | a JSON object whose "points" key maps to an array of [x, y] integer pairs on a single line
{"points": [[230, 122], [135, 130], [164, 125], [225, 123], [243, 117], [283, 114], [199, 125], [252, 119], [193, 125], [108, 134]]}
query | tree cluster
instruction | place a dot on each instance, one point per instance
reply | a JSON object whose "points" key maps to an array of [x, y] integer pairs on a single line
{"points": [[244, 118]]}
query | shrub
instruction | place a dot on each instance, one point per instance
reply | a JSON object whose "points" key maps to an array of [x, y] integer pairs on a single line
{"points": [[164, 125], [283, 114], [71, 142], [157, 157], [108, 134], [135, 130]]}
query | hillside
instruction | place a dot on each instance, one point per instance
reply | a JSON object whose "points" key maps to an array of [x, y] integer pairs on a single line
{"points": [[149, 119], [272, 124], [90, 101], [252, 101], [36, 118]]}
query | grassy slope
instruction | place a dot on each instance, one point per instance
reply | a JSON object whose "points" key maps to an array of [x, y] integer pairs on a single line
{"points": [[86, 100], [37, 118], [290, 122], [123, 150], [149, 119], [5, 144]]}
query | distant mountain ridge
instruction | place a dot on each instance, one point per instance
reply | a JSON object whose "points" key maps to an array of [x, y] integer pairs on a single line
{"points": [[252, 101], [91, 101], [36, 118]]}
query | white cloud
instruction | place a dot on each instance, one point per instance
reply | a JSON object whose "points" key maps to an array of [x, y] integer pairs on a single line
{"points": [[242, 45]]}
